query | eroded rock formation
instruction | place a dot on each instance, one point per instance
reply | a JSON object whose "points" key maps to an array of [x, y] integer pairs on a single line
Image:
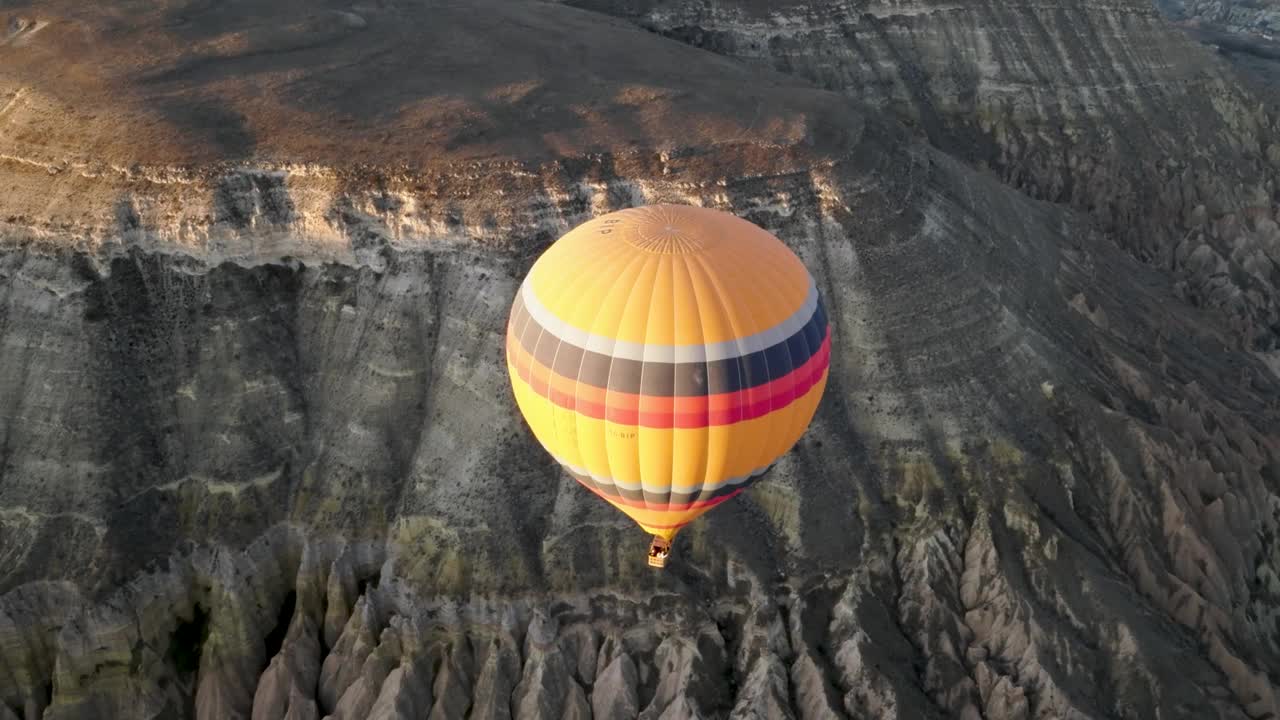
{"points": [[258, 457]]}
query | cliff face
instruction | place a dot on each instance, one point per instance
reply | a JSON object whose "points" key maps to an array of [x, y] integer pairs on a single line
{"points": [[258, 457], [1242, 30], [1101, 107], [1241, 16]]}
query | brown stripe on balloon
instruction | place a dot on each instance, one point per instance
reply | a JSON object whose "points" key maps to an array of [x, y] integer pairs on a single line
{"points": [[669, 379], [657, 501], [701, 497]]}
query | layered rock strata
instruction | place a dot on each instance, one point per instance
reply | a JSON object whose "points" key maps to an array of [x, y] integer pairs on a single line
{"points": [[258, 457]]}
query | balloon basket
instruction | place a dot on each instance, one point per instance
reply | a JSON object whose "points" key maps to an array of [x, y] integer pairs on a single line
{"points": [[658, 551]]}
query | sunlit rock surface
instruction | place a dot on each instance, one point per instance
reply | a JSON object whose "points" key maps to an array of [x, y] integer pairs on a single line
{"points": [[258, 456]]}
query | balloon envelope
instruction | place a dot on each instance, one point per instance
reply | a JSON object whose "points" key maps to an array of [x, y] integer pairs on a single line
{"points": [[667, 356]]}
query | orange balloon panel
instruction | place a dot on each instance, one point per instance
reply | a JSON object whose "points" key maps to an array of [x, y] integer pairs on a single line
{"points": [[666, 356]]}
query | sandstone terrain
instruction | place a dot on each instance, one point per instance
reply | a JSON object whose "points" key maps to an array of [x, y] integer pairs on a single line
{"points": [[258, 454]]}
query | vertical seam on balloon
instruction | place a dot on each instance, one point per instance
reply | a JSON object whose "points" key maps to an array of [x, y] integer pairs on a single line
{"points": [[534, 390], [644, 364], [702, 336], [787, 412], [778, 415], [675, 317], [706, 430], [524, 327], [824, 331], [719, 294], [636, 258], [771, 420], [791, 407], [639, 452], [520, 340], [567, 290], [626, 264], [604, 422], [555, 409]]}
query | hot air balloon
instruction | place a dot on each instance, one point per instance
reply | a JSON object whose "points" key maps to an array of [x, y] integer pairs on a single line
{"points": [[666, 356]]}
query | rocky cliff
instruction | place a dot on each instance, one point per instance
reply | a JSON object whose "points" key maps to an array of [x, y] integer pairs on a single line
{"points": [[1242, 30], [1260, 17], [258, 457], [1101, 107]]}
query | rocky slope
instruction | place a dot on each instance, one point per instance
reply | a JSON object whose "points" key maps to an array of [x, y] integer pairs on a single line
{"points": [[1242, 30], [1100, 106], [258, 457], [1240, 16]]}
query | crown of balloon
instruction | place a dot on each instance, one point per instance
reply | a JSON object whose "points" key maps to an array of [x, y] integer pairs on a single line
{"points": [[665, 229]]}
